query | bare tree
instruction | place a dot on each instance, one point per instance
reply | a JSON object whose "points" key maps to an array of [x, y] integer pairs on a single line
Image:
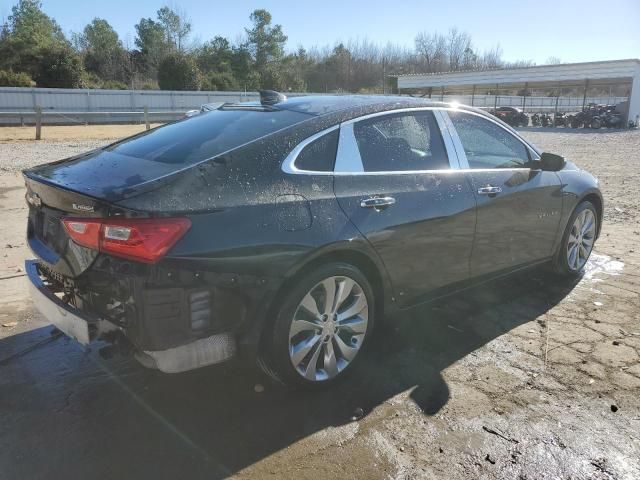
{"points": [[492, 58], [432, 49], [457, 44], [520, 64]]}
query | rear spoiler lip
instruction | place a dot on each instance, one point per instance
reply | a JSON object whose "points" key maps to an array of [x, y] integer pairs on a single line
{"points": [[71, 202], [124, 194]]}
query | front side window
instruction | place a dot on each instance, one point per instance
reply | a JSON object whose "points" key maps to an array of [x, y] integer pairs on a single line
{"points": [[488, 145], [401, 142]]}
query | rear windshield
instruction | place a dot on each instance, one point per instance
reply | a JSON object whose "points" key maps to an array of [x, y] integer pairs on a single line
{"points": [[206, 135]]}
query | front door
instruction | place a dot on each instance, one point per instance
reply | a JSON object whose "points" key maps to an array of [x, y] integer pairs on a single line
{"points": [[394, 181], [518, 205]]}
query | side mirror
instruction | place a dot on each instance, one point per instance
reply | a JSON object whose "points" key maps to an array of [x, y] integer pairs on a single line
{"points": [[550, 162]]}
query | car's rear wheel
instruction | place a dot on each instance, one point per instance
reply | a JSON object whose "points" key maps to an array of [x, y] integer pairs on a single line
{"points": [[578, 240], [320, 328]]}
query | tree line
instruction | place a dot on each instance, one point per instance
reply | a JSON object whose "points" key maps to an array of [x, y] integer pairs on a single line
{"points": [[35, 51]]}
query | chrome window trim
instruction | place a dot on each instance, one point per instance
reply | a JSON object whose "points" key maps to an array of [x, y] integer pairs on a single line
{"points": [[452, 154], [462, 156], [348, 160]]}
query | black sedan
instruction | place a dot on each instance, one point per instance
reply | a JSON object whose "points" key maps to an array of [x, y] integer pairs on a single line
{"points": [[284, 230]]}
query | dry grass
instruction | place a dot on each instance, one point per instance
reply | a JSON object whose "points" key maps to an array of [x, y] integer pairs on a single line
{"points": [[70, 132]]}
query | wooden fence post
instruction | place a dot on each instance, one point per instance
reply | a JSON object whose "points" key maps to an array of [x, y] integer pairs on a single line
{"points": [[146, 117], [38, 122]]}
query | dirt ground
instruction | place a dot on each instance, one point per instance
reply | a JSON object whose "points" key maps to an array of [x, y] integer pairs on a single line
{"points": [[70, 132], [528, 378]]}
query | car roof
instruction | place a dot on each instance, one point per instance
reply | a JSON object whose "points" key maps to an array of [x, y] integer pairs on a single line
{"points": [[323, 104], [345, 107], [317, 105]]}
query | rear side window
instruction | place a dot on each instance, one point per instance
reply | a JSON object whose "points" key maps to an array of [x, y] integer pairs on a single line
{"points": [[319, 155], [401, 142], [206, 135], [488, 145]]}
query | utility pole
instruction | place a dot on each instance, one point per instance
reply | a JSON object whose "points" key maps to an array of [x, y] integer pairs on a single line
{"points": [[384, 86], [584, 96], [38, 122]]}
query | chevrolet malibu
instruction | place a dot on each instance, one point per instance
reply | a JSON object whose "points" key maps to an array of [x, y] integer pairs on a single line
{"points": [[284, 230]]}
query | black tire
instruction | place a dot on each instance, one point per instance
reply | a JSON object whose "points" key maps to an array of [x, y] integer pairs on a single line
{"points": [[275, 357], [560, 259], [596, 123], [576, 123]]}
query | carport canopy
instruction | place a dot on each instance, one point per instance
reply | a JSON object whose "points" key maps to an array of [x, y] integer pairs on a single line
{"points": [[568, 75]]}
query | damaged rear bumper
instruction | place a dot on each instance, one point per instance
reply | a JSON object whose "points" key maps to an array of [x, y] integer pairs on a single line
{"points": [[84, 329], [205, 351], [64, 316]]}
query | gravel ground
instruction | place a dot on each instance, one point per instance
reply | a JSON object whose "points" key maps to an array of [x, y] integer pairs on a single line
{"points": [[74, 132], [611, 155], [16, 156], [526, 378]]}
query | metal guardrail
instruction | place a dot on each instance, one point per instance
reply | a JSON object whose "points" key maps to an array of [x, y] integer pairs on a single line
{"points": [[41, 116], [143, 116]]}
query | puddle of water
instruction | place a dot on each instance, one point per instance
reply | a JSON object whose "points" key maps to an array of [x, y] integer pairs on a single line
{"points": [[601, 264]]}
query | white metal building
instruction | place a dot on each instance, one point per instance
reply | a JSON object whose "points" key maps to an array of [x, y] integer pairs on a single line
{"points": [[569, 75]]}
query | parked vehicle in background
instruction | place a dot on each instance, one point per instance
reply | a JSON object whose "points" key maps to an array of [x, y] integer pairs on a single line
{"points": [[207, 107], [535, 119], [545, 120], [511, 115], [560, 120], [285, 230], [597, 116], [610, 117]]}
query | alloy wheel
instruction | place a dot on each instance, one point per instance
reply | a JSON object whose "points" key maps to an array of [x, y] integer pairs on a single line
{"points": [[328, 328], [581, 239]]}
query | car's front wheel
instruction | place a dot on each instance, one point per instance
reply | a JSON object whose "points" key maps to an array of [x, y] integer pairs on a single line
{"points": [[578, 240], [321, 326]]}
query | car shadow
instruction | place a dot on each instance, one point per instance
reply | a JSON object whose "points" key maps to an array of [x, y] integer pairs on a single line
{"points": [[65, 412]]}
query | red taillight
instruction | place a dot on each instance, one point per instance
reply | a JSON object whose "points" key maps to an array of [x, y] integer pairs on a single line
{"points": [[84, 232], [144, 240]]}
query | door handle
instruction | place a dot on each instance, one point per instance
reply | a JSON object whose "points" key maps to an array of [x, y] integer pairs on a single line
{"points": [[489, 190], [378, 203]]}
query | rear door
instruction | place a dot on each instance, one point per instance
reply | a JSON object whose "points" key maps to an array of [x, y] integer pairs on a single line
{"points": [[400, 185], [519, 205]]}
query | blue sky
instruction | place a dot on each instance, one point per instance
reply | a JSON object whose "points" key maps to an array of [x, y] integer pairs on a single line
{"points": [[573, 30]]}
